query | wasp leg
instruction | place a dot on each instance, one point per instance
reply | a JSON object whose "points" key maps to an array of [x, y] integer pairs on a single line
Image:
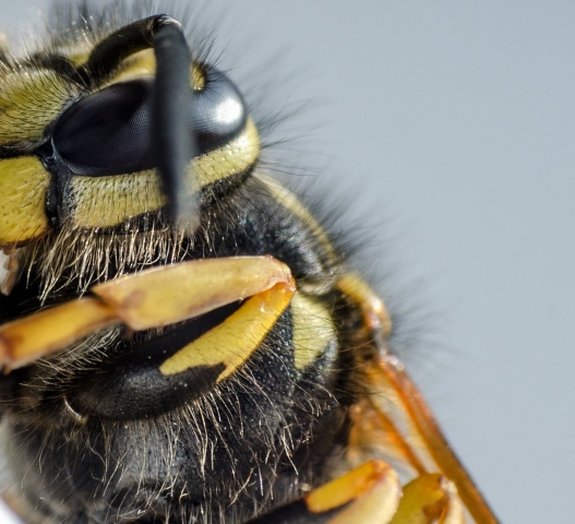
{"points": [[391, 420], [427, 499], [30, 338], [369, 494], [397, 424], [159, 297]]}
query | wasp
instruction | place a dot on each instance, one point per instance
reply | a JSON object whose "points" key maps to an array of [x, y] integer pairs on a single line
{"points": [[181, 339]]}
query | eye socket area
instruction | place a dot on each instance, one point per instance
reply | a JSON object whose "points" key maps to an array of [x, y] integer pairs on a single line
{"points": [[120, 149], [109, 132]]}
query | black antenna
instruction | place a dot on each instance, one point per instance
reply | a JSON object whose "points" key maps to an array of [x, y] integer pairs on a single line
{"points": [[172, 133], [171, 126]]}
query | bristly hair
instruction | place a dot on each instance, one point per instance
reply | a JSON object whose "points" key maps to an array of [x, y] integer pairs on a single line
{"points": [[90, 20], [158, 439], [83, 257]]}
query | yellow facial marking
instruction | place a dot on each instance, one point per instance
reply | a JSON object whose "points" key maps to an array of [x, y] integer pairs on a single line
{"points": [[230, 159], [107, 201], [235, 340], [110, 200], [29, 101], [143, 64], [138, 65], [23, 184], [197, 78], [313, 329]]}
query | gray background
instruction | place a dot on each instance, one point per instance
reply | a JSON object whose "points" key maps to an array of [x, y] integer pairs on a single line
{"points": [[451, 123]]}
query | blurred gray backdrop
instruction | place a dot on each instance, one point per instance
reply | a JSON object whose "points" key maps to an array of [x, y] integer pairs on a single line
{"points": [[451, 123]]}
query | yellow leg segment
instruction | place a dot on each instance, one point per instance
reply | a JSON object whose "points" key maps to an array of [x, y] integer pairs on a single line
{"points": [[156, 298], [428, 499], [32, 337], [391, 420], [165, 295], [234, 340], [369, 494]]}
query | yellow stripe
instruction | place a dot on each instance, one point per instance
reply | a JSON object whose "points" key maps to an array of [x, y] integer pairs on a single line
{"points": [[313, 329], [110, 200], [143, 64], [29, 101], [235, 340], [23, 185]]}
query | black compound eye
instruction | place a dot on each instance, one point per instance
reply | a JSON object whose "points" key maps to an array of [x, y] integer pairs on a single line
{"points": [[109, 132]]}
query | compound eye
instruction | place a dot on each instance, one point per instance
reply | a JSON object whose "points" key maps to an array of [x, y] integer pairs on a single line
{"points": [[107, 132], [110, 132]]}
